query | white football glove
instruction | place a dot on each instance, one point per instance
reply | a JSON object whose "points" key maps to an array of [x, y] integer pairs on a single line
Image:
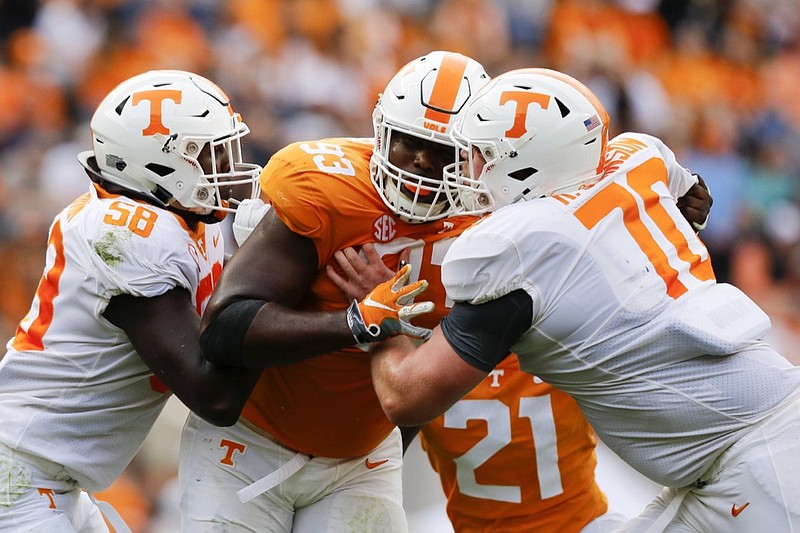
{"points": [[248, 215]]}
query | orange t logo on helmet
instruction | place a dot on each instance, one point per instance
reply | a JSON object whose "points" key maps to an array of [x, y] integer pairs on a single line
{"points": [[523, 99], [156, 98]]}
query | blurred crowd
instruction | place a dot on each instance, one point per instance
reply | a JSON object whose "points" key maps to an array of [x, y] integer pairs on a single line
{"points": [[716, 79]]}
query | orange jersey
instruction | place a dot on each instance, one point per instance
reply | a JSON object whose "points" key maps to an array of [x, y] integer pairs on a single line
{"points": [[515, 452], [326, 406]]}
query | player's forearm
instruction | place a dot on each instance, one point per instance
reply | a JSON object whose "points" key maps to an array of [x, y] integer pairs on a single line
{"points": [[416, 384], [394, 382], [254, 333], [279, 336]]}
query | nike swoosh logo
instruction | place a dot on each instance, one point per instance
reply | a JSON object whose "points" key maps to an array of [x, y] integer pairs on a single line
{"points": [[736, 510], [370, 465], [216, 240], [372, 303]]}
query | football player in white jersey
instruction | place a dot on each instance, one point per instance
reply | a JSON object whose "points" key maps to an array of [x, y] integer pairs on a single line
{"points": [[588, 272], [113, 327]]}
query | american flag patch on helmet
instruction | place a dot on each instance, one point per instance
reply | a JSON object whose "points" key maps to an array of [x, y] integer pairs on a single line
{"points": [[592, 122]]}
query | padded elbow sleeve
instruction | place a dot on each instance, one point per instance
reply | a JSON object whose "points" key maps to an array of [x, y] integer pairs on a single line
{"points": [[223, 338]]}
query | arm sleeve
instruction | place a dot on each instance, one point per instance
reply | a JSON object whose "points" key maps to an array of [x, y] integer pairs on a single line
{"points": [[482, 335], [223, 338]]}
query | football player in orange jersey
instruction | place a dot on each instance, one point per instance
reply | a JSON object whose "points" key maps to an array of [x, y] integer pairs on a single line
{"points": [[313, 424], [516, 454], [113, 327]]}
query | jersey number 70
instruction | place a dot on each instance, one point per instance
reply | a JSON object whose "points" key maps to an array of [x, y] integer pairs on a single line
{"points": [[614, 196]]}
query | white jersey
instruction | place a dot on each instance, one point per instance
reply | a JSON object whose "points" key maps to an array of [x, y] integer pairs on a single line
{"points": [[627, 316], [72, 388]]}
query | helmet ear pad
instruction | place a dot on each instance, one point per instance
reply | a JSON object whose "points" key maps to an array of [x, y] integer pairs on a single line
{"points": [[540, 133], [172, 137], [423, 100]]}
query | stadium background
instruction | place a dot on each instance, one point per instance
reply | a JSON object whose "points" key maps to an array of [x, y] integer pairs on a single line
{"points": [[716, 79]]}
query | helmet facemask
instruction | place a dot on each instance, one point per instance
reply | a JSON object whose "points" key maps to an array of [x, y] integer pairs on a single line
{"points": [[468, 191], [225, 180], [413, 197]]}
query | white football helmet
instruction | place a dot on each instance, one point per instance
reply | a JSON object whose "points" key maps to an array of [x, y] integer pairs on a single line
{"points": [[540, 133], [148, 136], [423, 99]]}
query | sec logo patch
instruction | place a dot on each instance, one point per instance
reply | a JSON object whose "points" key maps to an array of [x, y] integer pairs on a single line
{"points": [[384, 229]]}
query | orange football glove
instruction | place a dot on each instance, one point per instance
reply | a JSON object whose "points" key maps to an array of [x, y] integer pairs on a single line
{"points": [[383, 312]]}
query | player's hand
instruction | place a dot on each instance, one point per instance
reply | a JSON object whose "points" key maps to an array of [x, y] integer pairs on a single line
{"points": [[696, 204], [385, 311], [248, 215], [361, 274]]}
